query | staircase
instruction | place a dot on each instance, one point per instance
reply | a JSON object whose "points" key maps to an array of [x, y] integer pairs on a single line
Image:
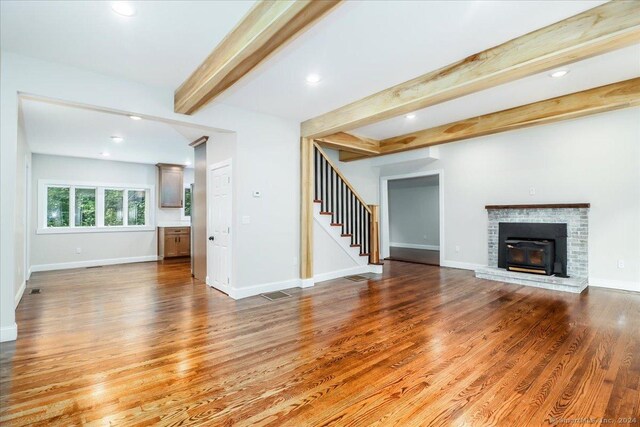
{"points": [[343, 213]]}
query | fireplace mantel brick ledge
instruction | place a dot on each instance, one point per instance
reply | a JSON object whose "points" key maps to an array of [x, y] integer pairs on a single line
{"points": [[575, 215]]}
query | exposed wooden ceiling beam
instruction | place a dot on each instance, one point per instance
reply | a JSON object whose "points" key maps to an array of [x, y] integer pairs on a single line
{"points": [[598, 100], [349, 156], [604, 28], [350, 143], [268, 26]]}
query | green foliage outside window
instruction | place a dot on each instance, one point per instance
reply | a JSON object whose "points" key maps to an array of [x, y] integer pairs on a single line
{"points": [[58, 207], [136, 206], [85, 207], [113, 205], [187, 202]]}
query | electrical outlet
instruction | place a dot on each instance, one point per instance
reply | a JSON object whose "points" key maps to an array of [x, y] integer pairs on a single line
{"points": [[457, 248], [424, 237], [246, 219], [78, 250], [532, 191], [620, 263]]}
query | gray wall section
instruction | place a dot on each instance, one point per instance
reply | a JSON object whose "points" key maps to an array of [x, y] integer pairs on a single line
{"points": [[414, 211], [61, 248]]}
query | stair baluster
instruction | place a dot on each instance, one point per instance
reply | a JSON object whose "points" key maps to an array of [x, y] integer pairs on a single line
{"points": [[347, 209]]}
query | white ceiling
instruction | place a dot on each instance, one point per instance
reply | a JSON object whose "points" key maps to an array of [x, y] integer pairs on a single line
{"points": [[69, 131], [358, 49], [612, 67], [161, 45], [366, 46]]}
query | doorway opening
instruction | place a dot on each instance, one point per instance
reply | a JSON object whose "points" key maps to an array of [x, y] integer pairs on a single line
{"points": [[412, 229]]}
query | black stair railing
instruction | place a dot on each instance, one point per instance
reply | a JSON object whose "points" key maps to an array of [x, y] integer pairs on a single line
{"points": [[338, 199]]}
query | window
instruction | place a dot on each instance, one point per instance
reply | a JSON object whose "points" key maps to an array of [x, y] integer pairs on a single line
{"points": [[58, 206], [70, 207], [187, 203], [113, 206], [85, 207], [136, 206]]}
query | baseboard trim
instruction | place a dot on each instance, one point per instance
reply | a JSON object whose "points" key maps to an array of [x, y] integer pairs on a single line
{"points": [[461, 265], [223, 289], [250, 291], [92, 263], [28, 274], [360, 269], [415, 246], [20, 293], [621, 285], [307, 283], [9, 333]]}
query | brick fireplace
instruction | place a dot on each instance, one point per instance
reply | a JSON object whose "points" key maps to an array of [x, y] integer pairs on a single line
{"points": [[545, 246]]}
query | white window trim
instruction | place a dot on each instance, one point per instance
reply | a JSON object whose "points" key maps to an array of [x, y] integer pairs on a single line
{"points": [[43, 184]]}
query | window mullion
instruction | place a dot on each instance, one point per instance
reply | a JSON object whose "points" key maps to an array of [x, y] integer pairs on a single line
{"points": [[125, 208], [100, 207], [72, 206]]}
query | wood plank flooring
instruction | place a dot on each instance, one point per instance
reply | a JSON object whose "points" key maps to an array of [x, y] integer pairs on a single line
{"points": [[144, 344], [420, 256]]}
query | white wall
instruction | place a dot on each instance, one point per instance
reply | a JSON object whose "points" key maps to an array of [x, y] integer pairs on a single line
{"points": [[328, 256], [59, 250], [414, 210], [593, 159], [267, 160]]}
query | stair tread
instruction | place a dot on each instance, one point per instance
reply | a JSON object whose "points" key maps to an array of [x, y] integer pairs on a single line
{"points": [[336, 224], [364, 254], [326, 213], [346, 235]]}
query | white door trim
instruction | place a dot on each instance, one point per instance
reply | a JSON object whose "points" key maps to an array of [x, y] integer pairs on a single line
{"points": [[384, 208], [209, 278], [27, 219]]}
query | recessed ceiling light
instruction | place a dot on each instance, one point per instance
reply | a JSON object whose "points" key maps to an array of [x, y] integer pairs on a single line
{"points": [[187, 163], [117, 139], [105, 154], [410, 116], [123, 8], [313, 79], [559, 73], [135, 117]]}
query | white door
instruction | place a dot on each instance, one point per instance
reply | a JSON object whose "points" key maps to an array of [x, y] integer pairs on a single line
{"points": [[219, 243]]}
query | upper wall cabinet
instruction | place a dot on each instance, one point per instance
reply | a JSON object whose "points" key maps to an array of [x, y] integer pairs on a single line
{"points": [[171, 185]]}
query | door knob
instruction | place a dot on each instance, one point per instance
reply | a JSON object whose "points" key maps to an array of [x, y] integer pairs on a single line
{"points": [[211, 238]]}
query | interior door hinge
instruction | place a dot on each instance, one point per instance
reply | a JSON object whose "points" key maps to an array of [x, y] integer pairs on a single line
{"points": [[228, 180], [228, 280]]}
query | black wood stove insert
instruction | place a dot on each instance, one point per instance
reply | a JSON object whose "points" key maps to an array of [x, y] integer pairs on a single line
{"points": [[539, 248]]}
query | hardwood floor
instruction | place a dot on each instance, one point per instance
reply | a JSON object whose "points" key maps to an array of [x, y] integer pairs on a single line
{"points": [[420, 256], [145, 344]]}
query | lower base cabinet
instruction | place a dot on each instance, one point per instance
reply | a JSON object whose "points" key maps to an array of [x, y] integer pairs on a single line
{"points": [[174, 242]]}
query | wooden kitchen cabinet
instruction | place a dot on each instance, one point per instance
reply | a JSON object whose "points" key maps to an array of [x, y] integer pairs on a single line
{"points": [[171, 185], [174, 242]]}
